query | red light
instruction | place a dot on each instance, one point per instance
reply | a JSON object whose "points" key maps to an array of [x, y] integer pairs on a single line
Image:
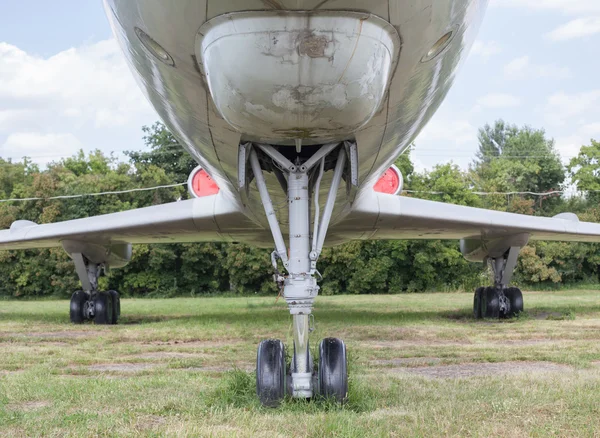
{"points": [[203, 184], [389, 183]]}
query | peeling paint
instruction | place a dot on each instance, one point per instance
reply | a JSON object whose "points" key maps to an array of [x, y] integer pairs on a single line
{"points": [[301, 75], [313, 46], [300, 97]]}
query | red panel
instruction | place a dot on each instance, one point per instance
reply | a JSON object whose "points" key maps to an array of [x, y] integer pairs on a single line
{"points": [[389, 183], [203, 184]]}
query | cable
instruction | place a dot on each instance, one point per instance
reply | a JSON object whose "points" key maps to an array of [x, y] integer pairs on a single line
{"points": [[554, 192], [170, 186], [118, 192]]}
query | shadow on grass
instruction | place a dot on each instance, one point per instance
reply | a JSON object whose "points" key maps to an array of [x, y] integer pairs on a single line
{"points": [[237, 390], [274, 316]]}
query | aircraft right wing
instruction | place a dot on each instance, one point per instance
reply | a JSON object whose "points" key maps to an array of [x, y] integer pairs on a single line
{"points": [[380, 216]]}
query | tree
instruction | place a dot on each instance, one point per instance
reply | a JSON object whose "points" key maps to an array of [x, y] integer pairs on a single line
{"points": [[584, 170], [513, 159], [493, 139]]}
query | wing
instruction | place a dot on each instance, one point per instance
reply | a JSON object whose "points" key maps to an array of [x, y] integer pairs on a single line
{"points": [[379, 216], [212, 218]]}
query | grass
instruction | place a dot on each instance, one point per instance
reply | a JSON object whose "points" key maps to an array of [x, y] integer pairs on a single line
{"points": [[420, 366]]}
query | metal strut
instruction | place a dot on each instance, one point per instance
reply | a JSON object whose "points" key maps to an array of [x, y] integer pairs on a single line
{"points": [[503, 268], [87, 272], [300, 286]]}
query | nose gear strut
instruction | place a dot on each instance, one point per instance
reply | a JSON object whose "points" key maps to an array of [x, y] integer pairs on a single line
{"points": [[300, 286]]}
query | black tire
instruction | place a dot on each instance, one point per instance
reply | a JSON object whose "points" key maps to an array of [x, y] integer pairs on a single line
{"points": [[333, 370], [78, 300], [515, 297], [270, 372], [116, 299], [103, 305], [477, 300], [490, 305]]}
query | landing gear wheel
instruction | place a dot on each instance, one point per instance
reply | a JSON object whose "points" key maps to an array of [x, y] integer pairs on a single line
{"points": [[333, 370], [116, 305], [103, 306], [490, 303], [477, 302], [515, 298], [270, 372], [78, 300]]}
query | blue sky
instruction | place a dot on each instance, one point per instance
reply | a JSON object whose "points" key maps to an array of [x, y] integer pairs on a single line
{"points": [[64, 84]]}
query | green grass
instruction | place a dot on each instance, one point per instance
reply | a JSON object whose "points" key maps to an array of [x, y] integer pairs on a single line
{"points": [[420, 366]]}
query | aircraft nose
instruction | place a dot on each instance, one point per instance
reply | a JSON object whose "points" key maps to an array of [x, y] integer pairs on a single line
{"points": [[298, 75]]}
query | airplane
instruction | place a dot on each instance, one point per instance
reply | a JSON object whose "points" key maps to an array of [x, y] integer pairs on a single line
{"points": [[295, 111]]}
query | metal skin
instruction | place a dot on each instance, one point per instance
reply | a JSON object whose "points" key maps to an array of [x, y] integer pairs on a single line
{"points": [[382, 128]]}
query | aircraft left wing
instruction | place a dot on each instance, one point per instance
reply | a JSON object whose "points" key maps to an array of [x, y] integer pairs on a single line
{"points": [[380, 216], [211, 218]]}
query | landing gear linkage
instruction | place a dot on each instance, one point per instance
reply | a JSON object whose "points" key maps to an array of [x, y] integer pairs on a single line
{"points": [[300, 285]]}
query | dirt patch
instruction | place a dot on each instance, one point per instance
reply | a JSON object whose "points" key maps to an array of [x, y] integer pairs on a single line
{"points": [[220, 369], [28, 406], [57, 335], [397, 345], [169, 355], [412, 343], [548, 315], [196, 343], [467, 370], [408, 361], [10, 373], [150, 422], [122, 367], [523, 342], [386, 413]]}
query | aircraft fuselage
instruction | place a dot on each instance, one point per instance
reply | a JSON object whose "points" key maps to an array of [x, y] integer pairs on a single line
{"points": [[296, 74]]}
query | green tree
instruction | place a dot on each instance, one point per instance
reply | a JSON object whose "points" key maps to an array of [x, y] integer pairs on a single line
{"points": [[512, 159], [584, 170]]}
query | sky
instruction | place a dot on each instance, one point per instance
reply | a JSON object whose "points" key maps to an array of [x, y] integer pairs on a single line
{"points": [[64, 84]]}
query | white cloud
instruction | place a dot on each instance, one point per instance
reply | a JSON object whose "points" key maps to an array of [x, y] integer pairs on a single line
{"points": [[486, 50], [447, 137], [592, 130], [86, 92], [498, 100], [568, 108], [43, 146], [563, 6], [578, 28], [523, 68], [567, 114], [88, 82]]}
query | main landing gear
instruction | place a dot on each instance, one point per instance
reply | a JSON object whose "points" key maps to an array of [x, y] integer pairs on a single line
{"points": [[104, 308], [273, 378], [500, 301]]}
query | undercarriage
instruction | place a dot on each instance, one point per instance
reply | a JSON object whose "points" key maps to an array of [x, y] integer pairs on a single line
{"points": [[299, 283], [500, 300], [91, 304]]}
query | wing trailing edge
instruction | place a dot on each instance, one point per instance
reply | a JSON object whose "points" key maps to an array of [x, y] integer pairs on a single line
{"points": [[211, 218], [381, 216]]}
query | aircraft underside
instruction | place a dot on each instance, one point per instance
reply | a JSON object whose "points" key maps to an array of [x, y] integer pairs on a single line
{"points": [[295, 112]]}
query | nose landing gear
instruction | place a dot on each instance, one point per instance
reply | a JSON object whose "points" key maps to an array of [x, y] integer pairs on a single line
{"points": [[300, 287]]}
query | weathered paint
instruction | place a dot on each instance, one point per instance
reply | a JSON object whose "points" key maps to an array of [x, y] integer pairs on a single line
{"points": [[182, 95], [273, 75]]}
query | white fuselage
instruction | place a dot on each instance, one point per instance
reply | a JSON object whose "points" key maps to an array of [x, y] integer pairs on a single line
{"points": [[276, 71]]}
